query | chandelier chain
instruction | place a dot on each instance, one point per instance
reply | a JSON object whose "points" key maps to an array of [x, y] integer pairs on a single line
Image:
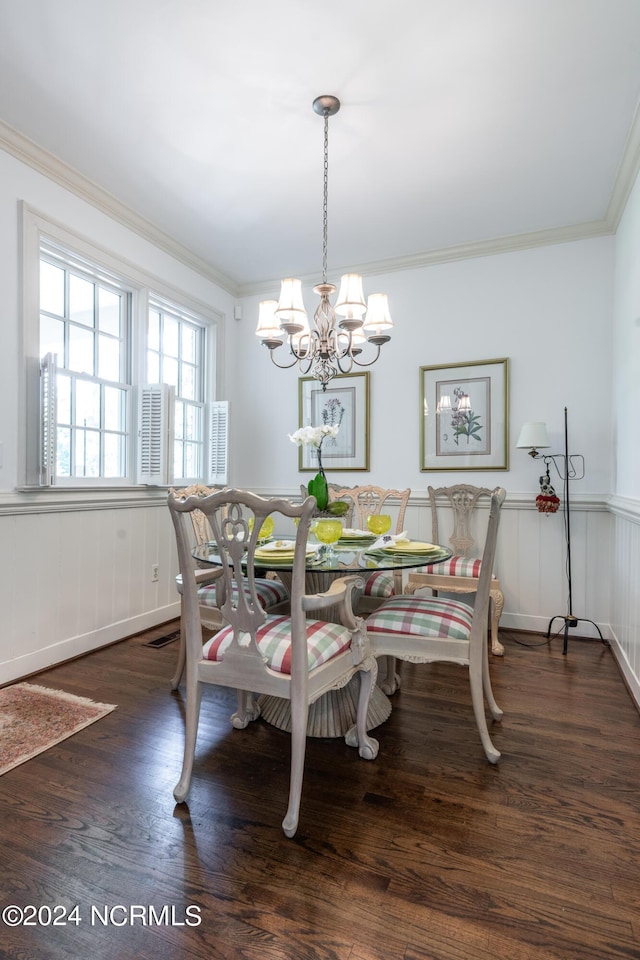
{"points": [[325, 195], [330, 346]]}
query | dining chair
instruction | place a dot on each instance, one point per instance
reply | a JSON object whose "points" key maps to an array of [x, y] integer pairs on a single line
{"points": [[434, 629], [292, 657], [460, 574], [365, 500], [272, 593]]}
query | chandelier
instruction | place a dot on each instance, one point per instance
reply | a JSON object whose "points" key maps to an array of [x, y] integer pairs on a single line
{"points": [[335, 341]]}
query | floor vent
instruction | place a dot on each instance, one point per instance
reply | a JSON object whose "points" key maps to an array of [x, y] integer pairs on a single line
{"points": [[163, 641]]}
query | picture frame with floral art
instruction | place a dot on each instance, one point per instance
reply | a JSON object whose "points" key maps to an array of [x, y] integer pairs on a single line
{"points": [[464, 416], [344, 403]]}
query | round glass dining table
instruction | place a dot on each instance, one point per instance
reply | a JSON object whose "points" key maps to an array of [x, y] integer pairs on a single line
{"points": [[334, 714]]}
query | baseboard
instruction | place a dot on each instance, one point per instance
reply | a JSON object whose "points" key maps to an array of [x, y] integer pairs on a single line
{"points": [[536, 624], [631, 680], [72, 647]]}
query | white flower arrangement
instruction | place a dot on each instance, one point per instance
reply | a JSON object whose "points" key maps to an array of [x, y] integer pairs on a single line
{"points": [[313, 436]]}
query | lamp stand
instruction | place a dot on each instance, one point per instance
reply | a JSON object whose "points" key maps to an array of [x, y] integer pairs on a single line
{"points": [[570, 472]]}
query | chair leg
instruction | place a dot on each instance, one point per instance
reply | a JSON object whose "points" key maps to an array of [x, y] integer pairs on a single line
{"points": [[494, 709], [391, 681], [182, 658], [247, 711], [497, 606], [194, 696], [357, 735], [477, 698], [299, 717]]}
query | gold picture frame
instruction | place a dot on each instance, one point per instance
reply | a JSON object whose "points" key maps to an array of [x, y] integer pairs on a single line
{"points": [[345, 401], [464, 416]]}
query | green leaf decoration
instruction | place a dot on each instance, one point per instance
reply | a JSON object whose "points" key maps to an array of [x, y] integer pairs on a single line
{"points": [[318, 488]]}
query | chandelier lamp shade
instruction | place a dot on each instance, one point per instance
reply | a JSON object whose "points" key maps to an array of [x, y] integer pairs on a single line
{"points": [[338, 335]]}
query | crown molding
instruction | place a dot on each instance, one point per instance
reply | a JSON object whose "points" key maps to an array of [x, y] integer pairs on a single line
{"points": [[463, 251], [627, 174], [29, 152]]}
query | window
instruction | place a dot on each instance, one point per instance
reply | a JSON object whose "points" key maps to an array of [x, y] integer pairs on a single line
{"points": [[122, 393], [84, 331], [175, 356]]}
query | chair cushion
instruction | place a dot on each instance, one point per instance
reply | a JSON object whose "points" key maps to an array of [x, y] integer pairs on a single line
{"points": [[455, 567], [324, 641], [268, 592], [422, 617], [379, 584]]}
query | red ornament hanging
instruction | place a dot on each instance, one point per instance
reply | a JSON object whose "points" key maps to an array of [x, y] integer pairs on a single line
{"points": [[546, 501]]}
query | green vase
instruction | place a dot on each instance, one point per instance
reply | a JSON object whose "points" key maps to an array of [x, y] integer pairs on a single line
{"points": [[318, 488]]}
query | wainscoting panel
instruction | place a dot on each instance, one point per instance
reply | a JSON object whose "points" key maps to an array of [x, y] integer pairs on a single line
{"points": [[74, 580], [531, 561], [76, 575], [625, 590]]}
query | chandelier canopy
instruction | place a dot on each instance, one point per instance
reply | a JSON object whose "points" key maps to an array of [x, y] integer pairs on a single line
{"points": [[335, 341]]}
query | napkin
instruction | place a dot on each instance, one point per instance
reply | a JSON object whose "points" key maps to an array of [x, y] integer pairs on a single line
{"points": [[387, 540]]}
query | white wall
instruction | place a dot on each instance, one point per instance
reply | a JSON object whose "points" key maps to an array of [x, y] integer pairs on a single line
{"points": [[75, 570], [547, 309], [625, 503]]}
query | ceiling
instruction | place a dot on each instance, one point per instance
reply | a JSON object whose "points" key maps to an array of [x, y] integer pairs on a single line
{"points": [[463, 122]]}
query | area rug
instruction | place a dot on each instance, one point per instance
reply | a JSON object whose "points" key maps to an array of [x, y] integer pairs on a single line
{"points": [[34, 718]]}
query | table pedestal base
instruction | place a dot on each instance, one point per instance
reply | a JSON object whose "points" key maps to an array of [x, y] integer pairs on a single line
{"points": [[333, 714]]}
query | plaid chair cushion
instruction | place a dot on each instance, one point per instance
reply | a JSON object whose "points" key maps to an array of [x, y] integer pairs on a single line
{"points": [[269, 592], [455, 567], [324, 641], [379, 584], [422, 617]]}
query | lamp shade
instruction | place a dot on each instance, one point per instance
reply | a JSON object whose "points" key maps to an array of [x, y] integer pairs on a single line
{"points": [[290, 310], [350, 303], [533, 435], [268, 324], [378, 319]]}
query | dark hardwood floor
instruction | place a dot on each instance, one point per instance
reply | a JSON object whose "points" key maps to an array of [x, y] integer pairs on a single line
{"points": [[428, 853]]}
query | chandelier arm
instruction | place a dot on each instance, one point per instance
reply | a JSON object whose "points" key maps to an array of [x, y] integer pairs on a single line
{"points": [[311, 350], [339, 363], [370, 363], [282, 366]]}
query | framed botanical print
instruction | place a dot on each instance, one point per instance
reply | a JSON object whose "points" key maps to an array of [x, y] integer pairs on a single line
{"points": [[464, 416], [344, 403]]}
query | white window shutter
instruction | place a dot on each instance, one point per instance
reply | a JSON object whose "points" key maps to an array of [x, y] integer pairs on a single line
{"points": [[218, 443], [156, 404], [48, 369]]}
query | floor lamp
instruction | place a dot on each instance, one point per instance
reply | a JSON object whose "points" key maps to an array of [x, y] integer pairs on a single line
{"points": [[569, 467]]}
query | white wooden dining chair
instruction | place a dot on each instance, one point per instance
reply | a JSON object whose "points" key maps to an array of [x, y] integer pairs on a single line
{"points": [[434, 629], [363, 501], [272, 593], [460, 574], [291, 657]]}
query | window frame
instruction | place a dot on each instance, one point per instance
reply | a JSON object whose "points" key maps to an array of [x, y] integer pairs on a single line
{"points": [[165, 307], [37, 229]]}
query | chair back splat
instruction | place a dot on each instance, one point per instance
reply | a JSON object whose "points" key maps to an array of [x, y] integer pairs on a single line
{"points": [[431, 629], [290, 657], [460, 573], [272, 593], [363, 501]]}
